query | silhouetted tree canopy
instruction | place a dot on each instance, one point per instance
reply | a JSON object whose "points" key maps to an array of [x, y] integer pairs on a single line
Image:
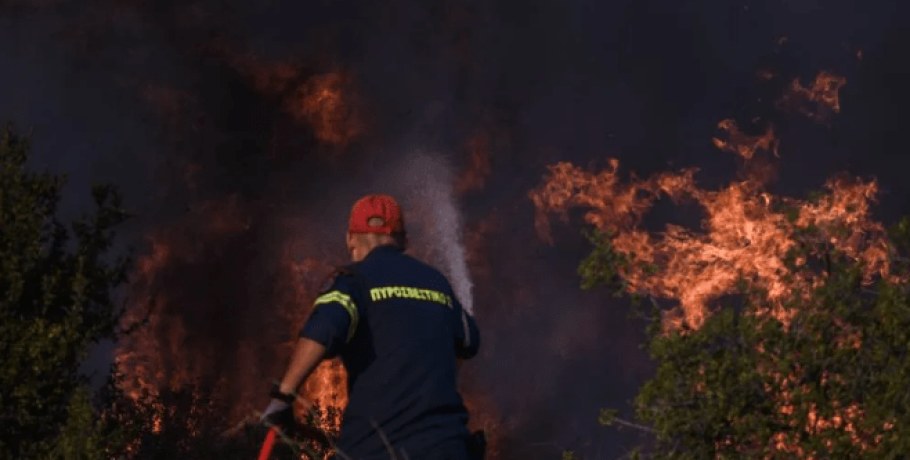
{"points": [[56, 300]]}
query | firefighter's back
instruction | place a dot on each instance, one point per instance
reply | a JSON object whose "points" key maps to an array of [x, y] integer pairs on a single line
{"points": [[402, 362]]}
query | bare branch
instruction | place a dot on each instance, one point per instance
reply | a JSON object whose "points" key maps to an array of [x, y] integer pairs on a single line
{"points": [[633, 425]]}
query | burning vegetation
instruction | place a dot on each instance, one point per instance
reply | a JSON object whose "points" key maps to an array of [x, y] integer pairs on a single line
{"points": [[232, 263], [817, 101], [793, 260], [328, 103], [223, 287], [232, 358], [748, 233]]}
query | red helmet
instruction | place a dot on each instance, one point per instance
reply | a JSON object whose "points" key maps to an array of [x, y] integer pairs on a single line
{"points": [[372, 206]]}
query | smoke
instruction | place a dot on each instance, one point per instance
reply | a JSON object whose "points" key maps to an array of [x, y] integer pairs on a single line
{"points": [[425, 183], [186, 105]]}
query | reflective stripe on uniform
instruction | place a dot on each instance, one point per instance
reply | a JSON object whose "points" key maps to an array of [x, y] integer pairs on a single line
{"points": [[345, 301]]}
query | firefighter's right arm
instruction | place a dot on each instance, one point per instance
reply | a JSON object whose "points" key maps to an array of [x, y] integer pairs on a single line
{"points": [[325, 333], [335, 315], [467, 335]]}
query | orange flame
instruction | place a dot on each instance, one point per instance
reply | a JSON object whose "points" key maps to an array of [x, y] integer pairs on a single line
{"points": [[327, 387], [474, 177], [824, 95], [747, 234], [745, 145], [327, 103], [156, 357]]}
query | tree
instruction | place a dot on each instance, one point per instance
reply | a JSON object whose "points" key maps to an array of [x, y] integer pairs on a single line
{"points": [[56, 301], [828, 379]]}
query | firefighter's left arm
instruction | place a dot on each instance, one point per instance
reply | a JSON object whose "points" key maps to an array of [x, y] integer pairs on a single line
{"points": [[330, 326]]}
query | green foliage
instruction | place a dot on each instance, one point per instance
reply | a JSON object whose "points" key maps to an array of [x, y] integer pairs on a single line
{"points": [[605, 266], [608, 416], [602, 267], [745, 383], [55, 301], [86, 436]]}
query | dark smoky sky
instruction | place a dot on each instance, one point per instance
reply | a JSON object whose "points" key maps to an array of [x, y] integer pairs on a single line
{"points": [[644, 81]]}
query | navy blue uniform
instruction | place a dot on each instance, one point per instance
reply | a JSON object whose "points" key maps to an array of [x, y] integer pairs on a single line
{"points": [[398, 329]]}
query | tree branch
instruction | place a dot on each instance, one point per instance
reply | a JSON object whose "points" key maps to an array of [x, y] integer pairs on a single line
{"points": [[634, 425]]}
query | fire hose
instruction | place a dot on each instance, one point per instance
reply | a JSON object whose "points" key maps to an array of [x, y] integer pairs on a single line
{"points": [[266, 449], [477, 443], [305, 431]]}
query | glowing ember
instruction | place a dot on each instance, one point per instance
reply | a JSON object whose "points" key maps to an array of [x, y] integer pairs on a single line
{"points": [[142, 379], [326, 103], [474, 177], [327, 388], [169, 353], [817, 101], [484, 417], [744, 145], [478, 251]]}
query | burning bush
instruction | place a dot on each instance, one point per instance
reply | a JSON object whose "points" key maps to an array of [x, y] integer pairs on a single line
{"points": [[817, 375], [190, 423], [807, 359]]}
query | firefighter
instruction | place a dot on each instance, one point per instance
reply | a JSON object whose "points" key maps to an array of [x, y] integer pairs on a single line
{"points": [[400, 332]]}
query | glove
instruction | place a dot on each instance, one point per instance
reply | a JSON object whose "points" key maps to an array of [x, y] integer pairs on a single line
{"points": [[280, 411]]}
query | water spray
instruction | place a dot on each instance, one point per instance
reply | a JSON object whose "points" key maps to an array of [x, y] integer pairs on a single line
{"points": [[436, 225]]}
